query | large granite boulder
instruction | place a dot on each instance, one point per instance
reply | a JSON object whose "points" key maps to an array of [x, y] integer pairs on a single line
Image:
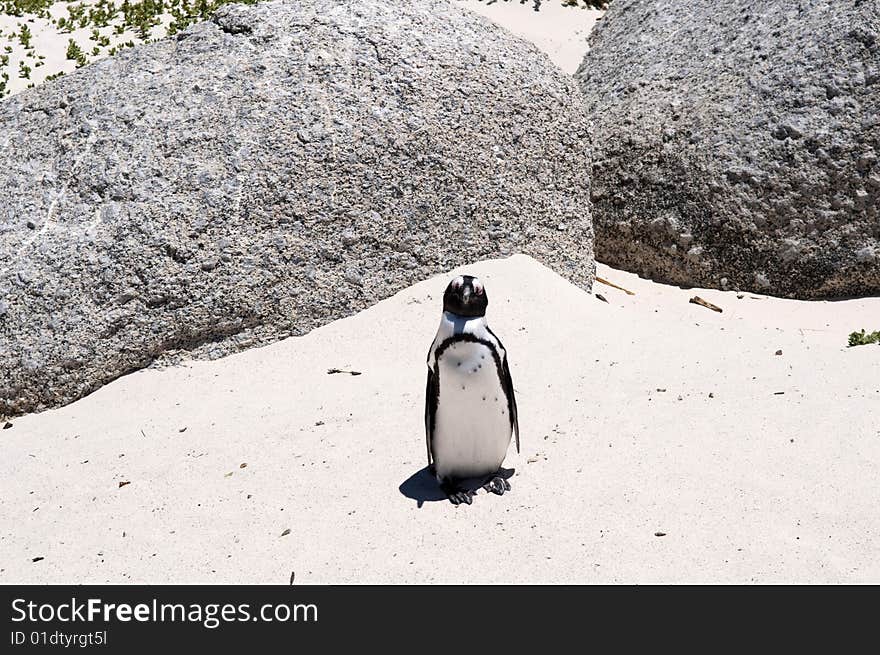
{"points": [[266, 172], [736, 143]]}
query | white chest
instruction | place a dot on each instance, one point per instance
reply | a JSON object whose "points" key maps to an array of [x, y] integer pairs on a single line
{"points": [[472, 427]]}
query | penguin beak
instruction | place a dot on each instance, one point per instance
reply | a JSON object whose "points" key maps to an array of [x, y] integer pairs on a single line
{"points": [[466, 294]]}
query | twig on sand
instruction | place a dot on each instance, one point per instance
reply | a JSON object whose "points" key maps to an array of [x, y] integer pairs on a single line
{"points": [[705, 303], [611, 284], [331, 371]]}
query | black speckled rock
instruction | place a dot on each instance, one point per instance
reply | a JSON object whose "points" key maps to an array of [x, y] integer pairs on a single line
{"points": [[736, 143], [269, 171]]}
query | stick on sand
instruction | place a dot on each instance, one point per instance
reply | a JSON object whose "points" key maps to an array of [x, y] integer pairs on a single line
{"points": [[611, 284], [704, 303]]}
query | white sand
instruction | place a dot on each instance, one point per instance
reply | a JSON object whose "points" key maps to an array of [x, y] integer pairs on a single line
{"points": [[561, 32], [748, 485]]}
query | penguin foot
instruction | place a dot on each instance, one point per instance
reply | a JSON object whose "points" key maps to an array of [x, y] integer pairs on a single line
{"points": [[457, 496], [497, 485]]}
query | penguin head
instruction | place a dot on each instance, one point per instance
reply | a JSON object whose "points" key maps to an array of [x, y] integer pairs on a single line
{"points": [[465, 296]]}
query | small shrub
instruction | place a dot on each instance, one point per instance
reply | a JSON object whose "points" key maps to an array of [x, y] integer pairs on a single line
{"points": [[860, 338], [24, 36], [75, 53]]}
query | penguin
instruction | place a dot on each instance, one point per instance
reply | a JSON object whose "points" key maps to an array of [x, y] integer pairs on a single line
{"points": [[470, 407]]}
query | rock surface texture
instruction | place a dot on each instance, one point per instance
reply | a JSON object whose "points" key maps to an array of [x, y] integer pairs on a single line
{"points": [[266, 172], [736, 143]]}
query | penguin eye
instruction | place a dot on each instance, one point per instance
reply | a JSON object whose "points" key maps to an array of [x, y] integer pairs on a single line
{"points": [[478, 288], [457, 282]]}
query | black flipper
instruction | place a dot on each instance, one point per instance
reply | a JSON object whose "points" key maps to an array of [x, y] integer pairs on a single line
{"points": [[507, 384], [432, 395], [511, 398]]}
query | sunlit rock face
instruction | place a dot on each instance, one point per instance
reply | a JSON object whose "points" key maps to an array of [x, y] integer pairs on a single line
{"points": [[737, 143], [263, 173]]}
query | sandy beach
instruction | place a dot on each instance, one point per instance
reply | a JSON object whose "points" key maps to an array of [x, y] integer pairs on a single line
{"points": [[558, 31], [663, 442], [642, 416]]}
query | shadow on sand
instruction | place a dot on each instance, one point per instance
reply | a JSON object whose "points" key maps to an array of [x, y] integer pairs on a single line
{"points": [[423, 487]]}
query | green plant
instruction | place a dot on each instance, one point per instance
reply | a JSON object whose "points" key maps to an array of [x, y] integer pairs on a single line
{"points": [[103, 41], [186, 13], [143, 16], [107, 21], [75, 53], [102, 13], [24, 36], [860, 338], [76, 16], [24, 71], [21, 7]]}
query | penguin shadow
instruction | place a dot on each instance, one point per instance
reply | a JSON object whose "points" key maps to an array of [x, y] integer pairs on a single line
{"points": [[422, 486]]}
